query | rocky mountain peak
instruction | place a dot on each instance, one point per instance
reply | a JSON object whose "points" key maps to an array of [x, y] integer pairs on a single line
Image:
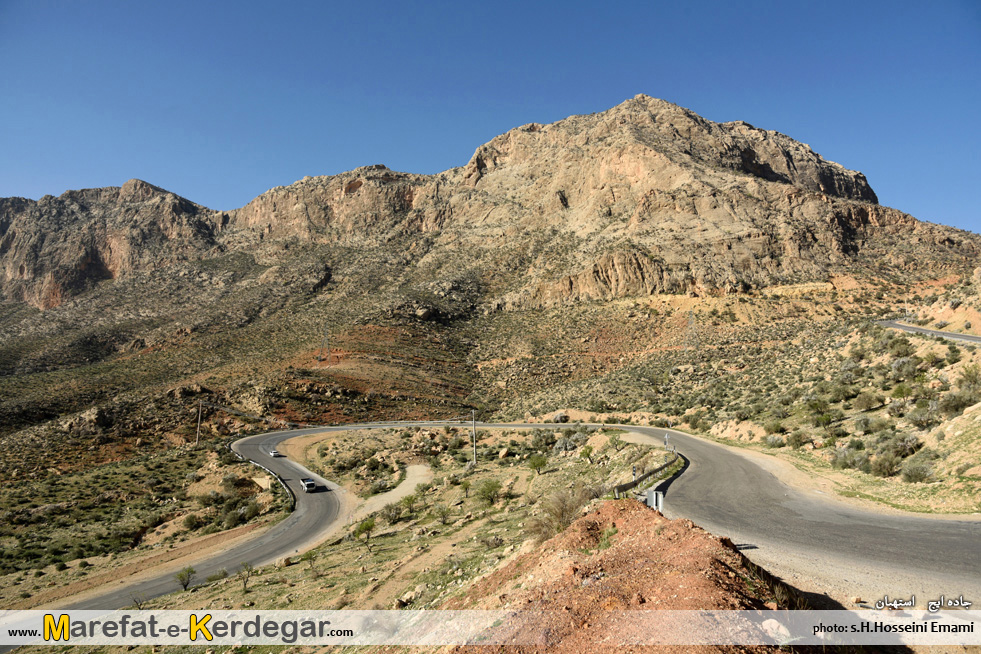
{"points": [[657, 128], [646, 197], [59, 246], [136, 190]]}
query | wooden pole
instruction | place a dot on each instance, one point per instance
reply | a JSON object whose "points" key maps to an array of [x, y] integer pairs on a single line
{"points": [[197, 439]]}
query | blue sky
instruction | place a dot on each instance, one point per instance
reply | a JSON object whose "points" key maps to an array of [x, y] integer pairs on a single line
{"points": [[219, 101]]}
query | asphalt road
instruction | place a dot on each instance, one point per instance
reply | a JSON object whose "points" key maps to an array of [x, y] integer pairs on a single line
{"points": [[313, 514], [728, 494], [721, 491], [966, 338]]}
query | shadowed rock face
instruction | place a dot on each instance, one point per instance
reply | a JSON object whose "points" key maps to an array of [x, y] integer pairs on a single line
{"points": [[57, 247], [644, 198]]}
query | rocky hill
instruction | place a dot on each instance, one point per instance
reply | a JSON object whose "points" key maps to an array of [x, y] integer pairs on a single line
{"points": [[440, 292], [56, 248], [637, 265], [644, 198]]}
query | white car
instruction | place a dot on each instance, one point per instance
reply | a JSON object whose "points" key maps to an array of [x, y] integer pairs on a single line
{"points": [[309, 485], [274, 453]]}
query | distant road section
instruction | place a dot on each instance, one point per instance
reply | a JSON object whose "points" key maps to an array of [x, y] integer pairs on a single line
{"points": [[314, 515], [966, 338]]}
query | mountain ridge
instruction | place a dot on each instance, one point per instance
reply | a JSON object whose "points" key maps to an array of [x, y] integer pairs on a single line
{"points": [[646, 197]]}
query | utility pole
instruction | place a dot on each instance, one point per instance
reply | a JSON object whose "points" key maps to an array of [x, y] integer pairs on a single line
{"points": [[197, 438], [691, 336], [473, 432], [325, 341]]}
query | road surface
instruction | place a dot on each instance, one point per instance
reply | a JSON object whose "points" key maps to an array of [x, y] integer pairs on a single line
{"points": [[314, 514], [729, 494], [721, 490], [966, 338]]}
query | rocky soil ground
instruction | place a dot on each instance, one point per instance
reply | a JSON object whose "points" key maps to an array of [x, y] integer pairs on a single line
{"points": [[621, 556]]}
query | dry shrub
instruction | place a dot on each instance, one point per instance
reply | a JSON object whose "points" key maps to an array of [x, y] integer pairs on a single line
{"points": [[557, 511]]}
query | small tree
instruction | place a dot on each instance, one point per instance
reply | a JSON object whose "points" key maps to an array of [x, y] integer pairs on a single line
{"points": [[970, 379], [139, 600], [465, 485], [867, 401], [391, 513], [310, 558], [366, 527], [442, 513], [245, 571], [489, 490], [615, 442], [185, 576], [536, 462], [409, 502], [586, 453], [902, 391]]}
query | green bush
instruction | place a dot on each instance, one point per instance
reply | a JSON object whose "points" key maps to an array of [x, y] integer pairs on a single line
{"points": [[218, 576], [917, 471], [557, 511], [849, 458], [953, 404], [922, 418], [192, 522], [901, 347], [774, 427], [391, 512], [489, 490], [885, 465], [231, 519], [867, 401], [798, 439]]}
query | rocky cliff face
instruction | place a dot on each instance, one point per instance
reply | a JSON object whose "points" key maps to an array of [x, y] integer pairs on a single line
{"points": [[644, 198], [57, 247]]}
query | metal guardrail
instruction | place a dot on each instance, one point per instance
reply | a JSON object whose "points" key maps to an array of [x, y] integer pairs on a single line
{"points": [[630, 485], [281, 481]]}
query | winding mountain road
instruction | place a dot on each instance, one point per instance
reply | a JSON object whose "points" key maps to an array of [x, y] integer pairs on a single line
{"points": [[722, 490], [728, 493], [314, 514], [913, 329]]}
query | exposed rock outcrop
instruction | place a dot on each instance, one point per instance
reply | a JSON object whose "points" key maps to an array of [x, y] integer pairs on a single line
{"points": [[57, 247], [647, 197]]}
